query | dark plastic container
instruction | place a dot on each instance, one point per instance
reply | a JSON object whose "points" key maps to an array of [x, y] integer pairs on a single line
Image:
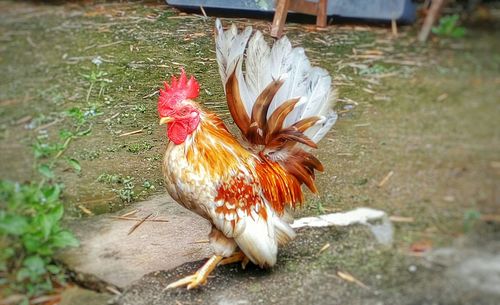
{"points": [[403, 11]]}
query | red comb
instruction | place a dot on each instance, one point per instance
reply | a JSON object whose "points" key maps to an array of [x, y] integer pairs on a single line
{"points": [[178, 90]]}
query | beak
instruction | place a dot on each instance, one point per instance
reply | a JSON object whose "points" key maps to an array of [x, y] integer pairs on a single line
{"points": [[165, 120]]}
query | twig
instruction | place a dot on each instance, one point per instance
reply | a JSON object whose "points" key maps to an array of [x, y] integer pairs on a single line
{"points": [[203, 11], [30, 42], [112, 117], [490, 218], [89, 91], [85, 210], [113, 290], [395, 218], [402, 62], [138, 219], [385, 179], [326, 246], [201, 241], [134, 227], [383, 75], [13, 299], [45, 299], [24, 120], [45, 126], [102, 45], [151, 94], [348, 277], [131, 132], [368, 90], [129, 213]]}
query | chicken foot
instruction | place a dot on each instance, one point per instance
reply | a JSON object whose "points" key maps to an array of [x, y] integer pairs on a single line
{"points": [[200, 276], [236, 257]]}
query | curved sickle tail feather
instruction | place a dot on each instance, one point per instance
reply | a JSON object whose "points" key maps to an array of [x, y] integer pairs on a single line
{"points": [[281, 104]]}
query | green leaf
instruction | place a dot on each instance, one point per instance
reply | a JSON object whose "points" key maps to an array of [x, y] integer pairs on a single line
{"points": [[13, 224], [52, 193], [35, 264], [45, 170], [53, 269], [65, 134], [64, 239], [75, 165], [22, 274], [56, 213], [45, 224], [31, 243], [458, 32]]}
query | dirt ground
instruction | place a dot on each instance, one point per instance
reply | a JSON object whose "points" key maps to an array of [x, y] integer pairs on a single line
{"points": [[418, 137]]}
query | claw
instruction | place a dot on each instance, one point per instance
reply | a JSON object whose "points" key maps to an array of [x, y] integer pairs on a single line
{"points": [[200, 276], [182, 282], [244, 262]]}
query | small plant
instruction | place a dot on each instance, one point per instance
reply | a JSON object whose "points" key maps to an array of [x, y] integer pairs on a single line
{"points": [[110, 178], [96, 77], [30, 218], [127, 193], [470, 219], [374, 70], [138, 147], [448, 26], [148, 185], [30, 234], [140, 108]]}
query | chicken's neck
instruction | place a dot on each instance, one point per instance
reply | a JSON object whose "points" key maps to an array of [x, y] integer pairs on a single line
{"points": [[213, 147]]}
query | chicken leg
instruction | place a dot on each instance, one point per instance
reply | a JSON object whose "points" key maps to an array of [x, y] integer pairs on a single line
{"points": [[236, 257], [200, 276]]}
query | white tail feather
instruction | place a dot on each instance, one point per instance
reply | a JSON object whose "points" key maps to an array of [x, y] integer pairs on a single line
{"points": [[281, 61], [258, 72]]}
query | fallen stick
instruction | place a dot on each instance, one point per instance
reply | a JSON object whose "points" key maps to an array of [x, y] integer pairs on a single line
{"points": [[138, 219], [45, 126], [151, 94], [385, 179], [131, 133], [129, 213], [134, 227], [85, 210], [326, 246], [350, 278]]}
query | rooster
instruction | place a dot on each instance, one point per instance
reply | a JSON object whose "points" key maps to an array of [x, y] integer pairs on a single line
{"points": [[246, 187]]}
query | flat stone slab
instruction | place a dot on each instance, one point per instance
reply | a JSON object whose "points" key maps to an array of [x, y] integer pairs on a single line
{"points": [[109, 255], [79, 296]]}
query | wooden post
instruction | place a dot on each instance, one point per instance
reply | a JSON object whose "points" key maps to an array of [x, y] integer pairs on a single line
{"points": [[431, 17], [321, 13], [301, 6], [279, 17]]}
